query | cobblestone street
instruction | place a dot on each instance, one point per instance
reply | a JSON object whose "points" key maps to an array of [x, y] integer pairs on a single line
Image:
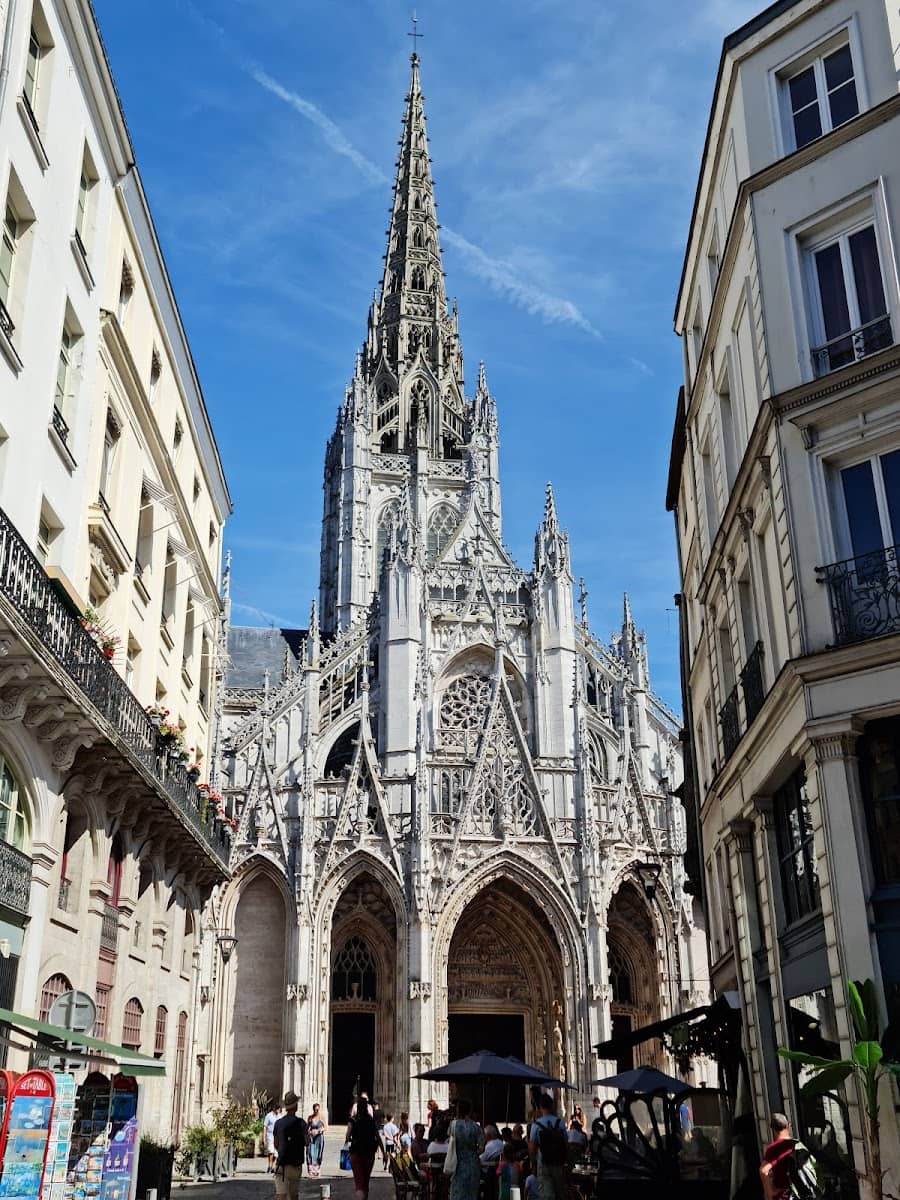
{"points": [[252, 1182]]}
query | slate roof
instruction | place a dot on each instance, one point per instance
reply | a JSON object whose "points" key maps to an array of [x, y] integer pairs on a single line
{"points": [[254, 649]]}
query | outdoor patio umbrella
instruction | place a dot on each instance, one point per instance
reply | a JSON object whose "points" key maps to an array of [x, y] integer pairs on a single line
{"points": [[643, 1079], [484, 1064]]}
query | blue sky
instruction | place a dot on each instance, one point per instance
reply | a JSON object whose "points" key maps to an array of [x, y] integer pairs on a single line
{"points": [[565, 139]]}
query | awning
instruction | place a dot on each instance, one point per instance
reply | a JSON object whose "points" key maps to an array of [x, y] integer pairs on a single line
{"points": [[68, 1044], [720, 1010]]}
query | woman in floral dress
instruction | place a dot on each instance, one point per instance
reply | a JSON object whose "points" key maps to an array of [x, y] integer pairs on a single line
{"points": [[469, 1141]]}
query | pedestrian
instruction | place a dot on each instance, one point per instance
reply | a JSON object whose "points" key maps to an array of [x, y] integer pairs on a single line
{"points": [[431, 1114], [577, 1115], [290, 1146], [598, 1105], [509, 1172], [273, 1112], [316, 1148], [468, 1141], [787, 1169], [365, 1142], [390, 1131], [549, 1150]]}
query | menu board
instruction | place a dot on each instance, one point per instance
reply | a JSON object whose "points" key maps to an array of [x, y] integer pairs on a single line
{"points": [[90, 1136], [119, 1162], [27, 1134], [60, 1139]]}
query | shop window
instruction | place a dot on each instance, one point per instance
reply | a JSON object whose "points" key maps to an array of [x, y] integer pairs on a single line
{"points": [[50, 992], [879, 765], [796, 855], [132, 1022]]}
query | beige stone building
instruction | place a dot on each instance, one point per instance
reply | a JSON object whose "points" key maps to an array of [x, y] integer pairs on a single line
{"points": [[786, 496], [112, 502]]}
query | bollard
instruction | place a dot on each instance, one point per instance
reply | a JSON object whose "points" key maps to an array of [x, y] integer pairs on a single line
{"points": [[151, 1194], [325, 1191], [514, 1193]]}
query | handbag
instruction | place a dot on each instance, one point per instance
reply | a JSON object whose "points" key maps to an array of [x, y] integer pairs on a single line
{"points": [[345, 1157], [450, 1160]]}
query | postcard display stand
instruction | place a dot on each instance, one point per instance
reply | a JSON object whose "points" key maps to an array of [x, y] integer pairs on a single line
{"points": [[60, 1138], [104, 1140], [27, 1120]]}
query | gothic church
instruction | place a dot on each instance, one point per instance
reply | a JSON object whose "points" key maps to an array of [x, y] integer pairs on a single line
{"points": [[449, 793]]}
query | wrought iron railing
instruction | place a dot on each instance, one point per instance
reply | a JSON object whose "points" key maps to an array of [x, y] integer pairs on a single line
{"points": [[730, 722], [865, 595], [59, 424], [15, 878], [851, 346], [753, 684], [6, 321], [25, 586], [109, 928]]}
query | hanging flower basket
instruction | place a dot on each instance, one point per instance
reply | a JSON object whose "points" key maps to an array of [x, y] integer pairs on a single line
{"points": [[94, 626]]}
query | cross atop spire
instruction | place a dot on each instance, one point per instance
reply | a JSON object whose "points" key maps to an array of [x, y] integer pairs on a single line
{"points": [[415, 35]]}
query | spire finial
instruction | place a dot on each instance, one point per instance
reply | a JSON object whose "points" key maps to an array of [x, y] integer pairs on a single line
{"points": [[482, 379], [550, 518], [415, 35], [582, 601]]}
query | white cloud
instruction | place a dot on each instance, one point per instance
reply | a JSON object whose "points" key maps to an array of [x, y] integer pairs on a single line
{"points": [[268, 618], [502, 277]]}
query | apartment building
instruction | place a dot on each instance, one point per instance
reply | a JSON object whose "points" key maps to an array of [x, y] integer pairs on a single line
{"points": [[785, 487], [112, 503]]}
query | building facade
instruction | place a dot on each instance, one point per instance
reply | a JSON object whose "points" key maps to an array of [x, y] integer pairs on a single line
{"points": [[113, 501], [447, 789], [784, 495]]}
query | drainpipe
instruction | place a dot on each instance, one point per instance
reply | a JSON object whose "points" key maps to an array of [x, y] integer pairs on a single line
{"points": [[7, 47]]}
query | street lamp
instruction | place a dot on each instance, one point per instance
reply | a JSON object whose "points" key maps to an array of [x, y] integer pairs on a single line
{"points": [[648, 873], [226, 943]]}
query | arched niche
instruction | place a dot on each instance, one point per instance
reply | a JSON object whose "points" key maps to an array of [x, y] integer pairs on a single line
{"points": [[633, 974], [257, 968]]}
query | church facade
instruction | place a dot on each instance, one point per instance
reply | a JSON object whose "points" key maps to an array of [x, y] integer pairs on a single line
{"points": [[456, 820]]}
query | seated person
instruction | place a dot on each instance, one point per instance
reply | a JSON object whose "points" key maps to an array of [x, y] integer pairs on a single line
{"points": [[440, 1142], [576, 1137], [509, 1172], [519, 1142], [493, 1144], [418, 1146]]}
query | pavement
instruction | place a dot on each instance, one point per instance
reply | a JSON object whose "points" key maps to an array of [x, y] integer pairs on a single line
{"points": [[252, 1183]]}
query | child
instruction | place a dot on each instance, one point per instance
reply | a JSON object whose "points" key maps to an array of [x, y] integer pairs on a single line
{"points": [[509, 1171]]}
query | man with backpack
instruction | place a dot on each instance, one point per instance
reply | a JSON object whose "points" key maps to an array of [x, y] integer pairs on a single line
{"points": [[788, 1171], [549, 1149], [291, 1138]]}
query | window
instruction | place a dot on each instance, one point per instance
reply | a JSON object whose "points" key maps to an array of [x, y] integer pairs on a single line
{"points": [[101, 999], [879, 765], [170, 585], [196, 491], [709, 495], [212, 534], [205, 674], [177, 439], [387, 518], [441, 526], [42, 548], [796, 855], [114, 870], [143, 558], [66, 374], [110, 441], [190, 633], [870, 492], [36, 78], [729, 436], [180, 1064], [55, 986], [15, 253], [353, 976], [132, 1021], [620, 977], [821, 96], [8, 248], [159, 1033], [713, 259], [131, 658], [15, 822], [84, 215], [187, 944], [850, 312]]}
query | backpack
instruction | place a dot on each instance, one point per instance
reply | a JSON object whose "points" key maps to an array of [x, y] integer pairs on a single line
{"points": [[292, 1135], [363, 1134], [803, 1175], [553, 1144]]}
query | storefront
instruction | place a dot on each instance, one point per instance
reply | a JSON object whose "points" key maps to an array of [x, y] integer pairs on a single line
{"points": [[71, 1133]]}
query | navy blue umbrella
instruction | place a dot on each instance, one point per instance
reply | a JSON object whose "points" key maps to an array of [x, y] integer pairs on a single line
{"points": [[484, 1064], [643, 1079]]}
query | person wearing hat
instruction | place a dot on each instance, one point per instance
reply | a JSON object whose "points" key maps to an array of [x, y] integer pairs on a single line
{"points": [[291, 1139]]}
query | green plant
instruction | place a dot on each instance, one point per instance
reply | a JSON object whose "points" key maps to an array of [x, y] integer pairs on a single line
{"points": [[233, 1122], [197, 1143], [867, 1065]]}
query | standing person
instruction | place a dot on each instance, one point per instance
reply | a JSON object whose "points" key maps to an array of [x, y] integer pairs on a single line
{"points": [[577, 1115], [290, 1145], [365, 1142], [787, 1169], [598, 1106], [549, 1150], [390, 1131], [509, 1172], [469, 1141], [316, 1147], [273, 1112]]}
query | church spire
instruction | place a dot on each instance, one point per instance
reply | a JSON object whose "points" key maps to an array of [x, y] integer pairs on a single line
{"points": [[412, 356]]}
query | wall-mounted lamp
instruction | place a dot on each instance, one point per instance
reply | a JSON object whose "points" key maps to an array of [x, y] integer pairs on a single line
{"points": [[226, 943], [648, 873]]}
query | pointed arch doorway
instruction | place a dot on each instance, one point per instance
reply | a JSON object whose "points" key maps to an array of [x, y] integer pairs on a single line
{"points": [[363, 1010], [505, 990]]}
